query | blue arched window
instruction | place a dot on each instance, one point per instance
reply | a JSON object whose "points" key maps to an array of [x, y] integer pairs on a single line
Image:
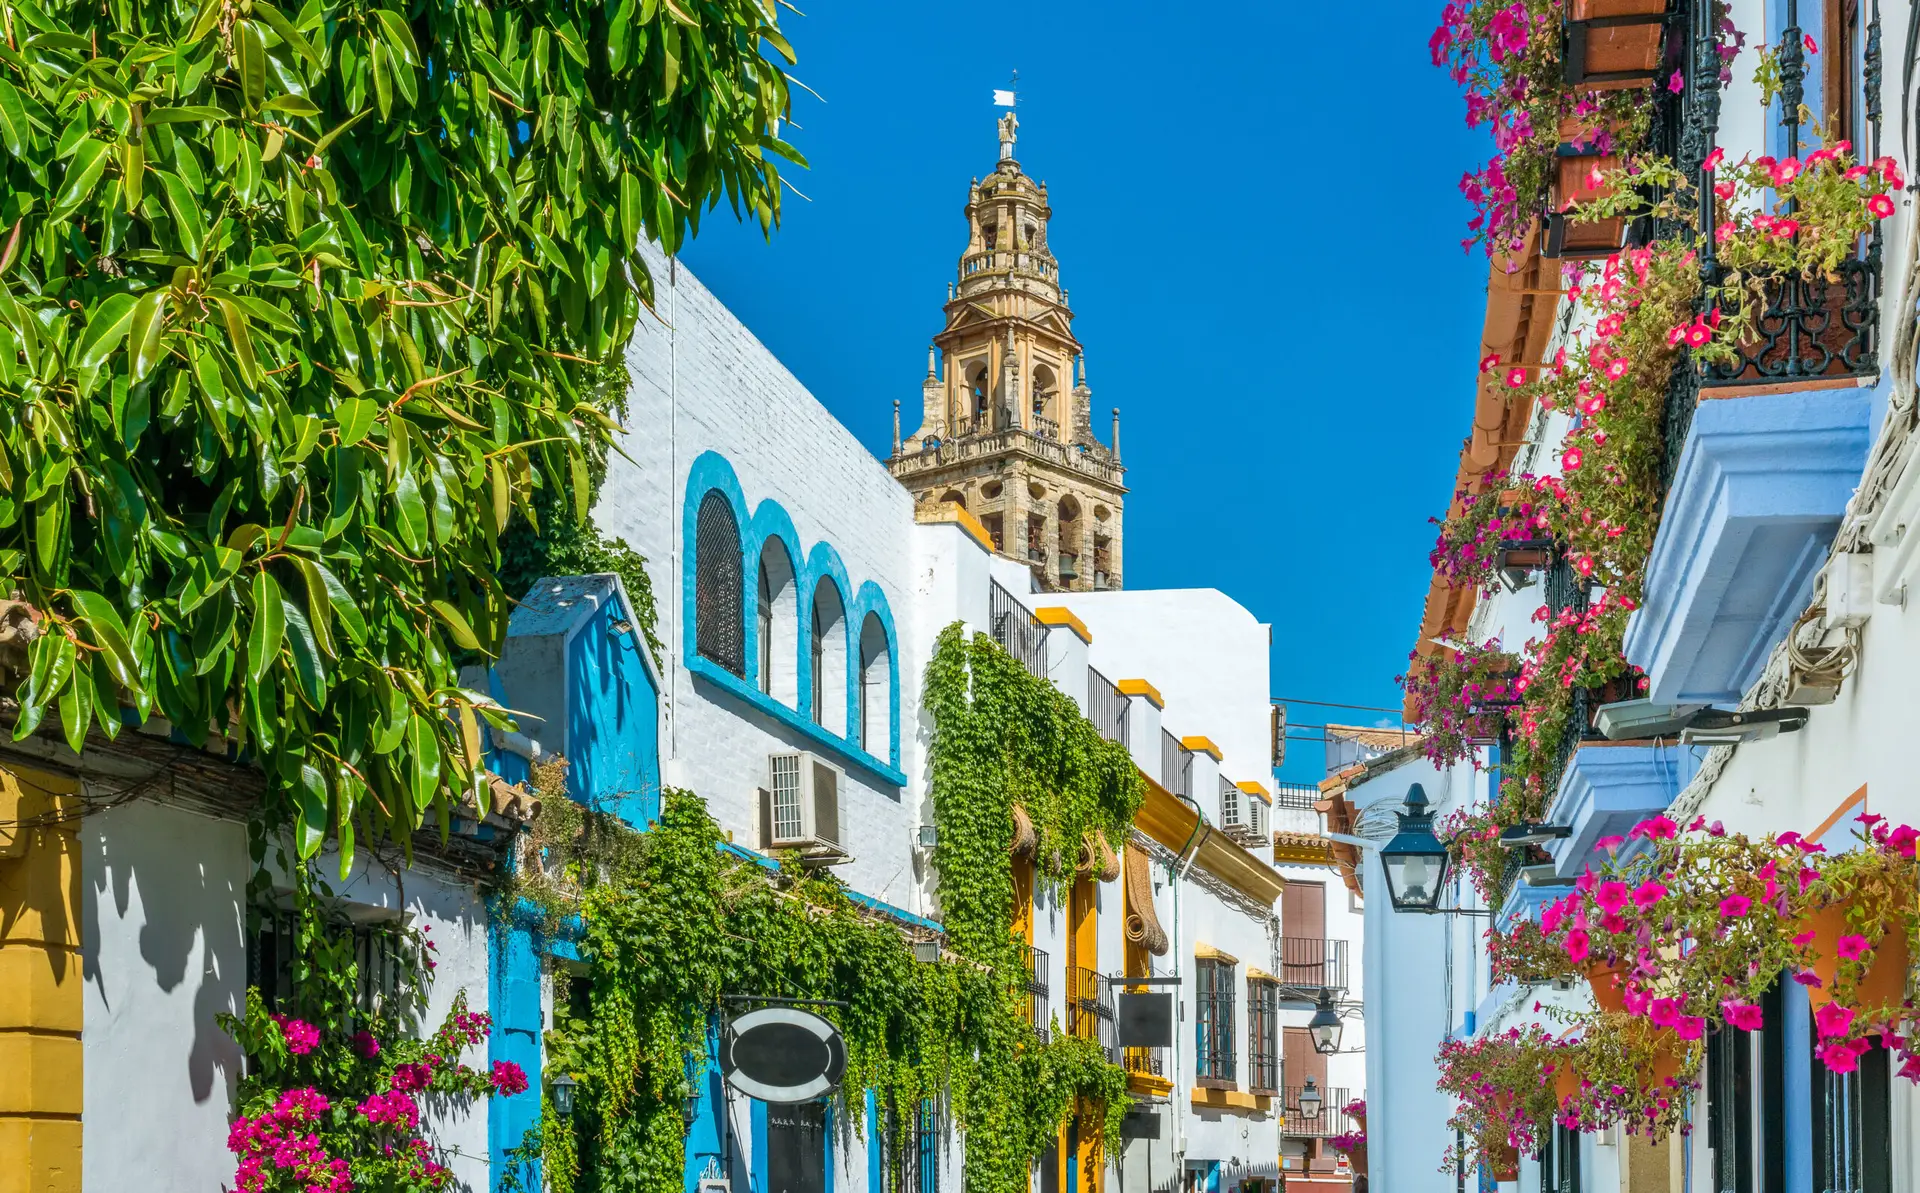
{"points": [[719, 625]]}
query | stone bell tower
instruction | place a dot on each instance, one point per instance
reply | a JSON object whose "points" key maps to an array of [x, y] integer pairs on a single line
{"points": [[1006, 421]]}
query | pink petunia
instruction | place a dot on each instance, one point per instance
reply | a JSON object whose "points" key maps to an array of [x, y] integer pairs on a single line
{"points": [[1611, 896], [1648, 893], [1516, 377], [1571, 459], [1576, 944], [1880, 205], [1833, 1020], [1742, 1015], [1664, 1012], [1853, 947], [1734, 906], [1714, 159], [1813, 47], [1677, 83], [1609, 843]]}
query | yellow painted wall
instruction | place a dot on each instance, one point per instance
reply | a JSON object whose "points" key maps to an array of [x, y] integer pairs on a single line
{"points": [[40, 991]]}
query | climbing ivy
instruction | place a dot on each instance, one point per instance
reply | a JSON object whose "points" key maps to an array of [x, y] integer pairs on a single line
{"points": [[673, 921]]}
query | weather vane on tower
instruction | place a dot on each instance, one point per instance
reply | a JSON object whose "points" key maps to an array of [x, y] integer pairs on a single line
{"points": [[1010, 123]]}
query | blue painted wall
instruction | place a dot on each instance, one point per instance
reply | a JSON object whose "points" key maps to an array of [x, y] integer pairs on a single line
{"points": [[513, 999], [613, 721]]}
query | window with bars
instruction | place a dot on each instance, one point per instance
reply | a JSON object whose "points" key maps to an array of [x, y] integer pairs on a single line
{"points": [[1852, 1125], [379, 956], [1729, 1082], [1231, 799], [915, 1156], [1263, 1036], [718, 607], [1560, 1160], [1213, 1024]]}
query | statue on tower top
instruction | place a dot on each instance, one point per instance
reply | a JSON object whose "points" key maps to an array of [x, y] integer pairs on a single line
{"points": [[1008, 126]]}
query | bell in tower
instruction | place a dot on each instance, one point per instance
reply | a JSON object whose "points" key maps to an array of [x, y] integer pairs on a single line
{"points": [[1006, 415]]}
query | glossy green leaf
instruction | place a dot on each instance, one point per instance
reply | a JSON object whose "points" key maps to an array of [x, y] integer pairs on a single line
{"points": [[269, 625]]}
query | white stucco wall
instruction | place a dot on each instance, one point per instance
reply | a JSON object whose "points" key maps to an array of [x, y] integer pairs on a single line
{"points": [[165, 952]]}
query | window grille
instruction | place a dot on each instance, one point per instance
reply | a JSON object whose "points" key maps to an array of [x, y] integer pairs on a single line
{"points": [[1257, 817], [1213, 1024], [1263, 1036], [1176, 765], [1037, 1012], [915, 1149], [1017, 630], [1851, 1127], [1106, 707], [719, 633], [1560, 1160]]}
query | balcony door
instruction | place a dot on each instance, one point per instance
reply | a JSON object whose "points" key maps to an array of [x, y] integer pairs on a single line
{"points": [[1303, 925], [797, 1148]]}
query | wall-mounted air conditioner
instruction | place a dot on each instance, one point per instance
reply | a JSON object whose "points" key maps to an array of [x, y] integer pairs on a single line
{"points": [[800, 805]]}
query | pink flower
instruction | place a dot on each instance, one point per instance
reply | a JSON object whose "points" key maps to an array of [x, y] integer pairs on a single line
{"points": [[1812, 47], [1842, 1056], [1786, 229], [508, 1078], [1611, 896], [411, 1077], [1648, 893], [1833, 1020], [1576, 944], [1690, 1027], [1714, 159], [1594, 404], [1571, 460], [1734, 906], [1785, 171], [1507, 31], [1609, 843], [1853, 947], [1665, 1012], [1516, 377], [301, 1037], [1880, 205], [365, 1045], [1890, 170], [393, 1108], [1743, 1015], [1655, 828], [1676, 84]]}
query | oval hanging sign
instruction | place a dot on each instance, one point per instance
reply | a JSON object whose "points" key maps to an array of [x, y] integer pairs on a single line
{"points": [[783, 1055]]}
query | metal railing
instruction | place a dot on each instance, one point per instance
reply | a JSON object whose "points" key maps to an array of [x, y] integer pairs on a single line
{"points": [[1176, 765], [1332, 1119], [1106, 707], [1294, 811], [1149, 1062], [1309, 962], [1017, 630], [1037, 1011], [1090, 1008]]}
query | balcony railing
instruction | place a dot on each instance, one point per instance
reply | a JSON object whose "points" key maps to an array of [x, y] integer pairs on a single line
{"points": [[1045, 428], [1017, 630], [984, 436], [1293, 809], [1331, 1121], [1037, 1013], [1106, 707], [1310, 963], [1148, 1062], [1013, 261], [1090, 1008], [1176, 765]]}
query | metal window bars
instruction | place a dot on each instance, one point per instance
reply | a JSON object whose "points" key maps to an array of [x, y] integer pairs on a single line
{"points": [[1263, 1036], [1037, 1012], [1017, 630], [1176, 765], [718, 604], [913, 1149], [1106, 707], [1090, 1010], [1213, 1024]]}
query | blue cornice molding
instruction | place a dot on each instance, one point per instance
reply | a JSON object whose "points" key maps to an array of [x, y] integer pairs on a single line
{"points": [[1607, 788], [1759, 494]]}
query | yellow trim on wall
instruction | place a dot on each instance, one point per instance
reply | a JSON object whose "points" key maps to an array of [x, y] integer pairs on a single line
{"points": [[1148, 1084], [954, 512], [1140, 687], [1201, 745], [1232, 1101], [1255, 787], [41, 1009], [1256, 974], [1176, 824], [1060, 615], [1206, 952]]}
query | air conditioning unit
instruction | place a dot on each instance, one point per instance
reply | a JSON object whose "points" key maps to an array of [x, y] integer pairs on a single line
{"points": [[1258, 816], [1233, 808], [800, 805]]}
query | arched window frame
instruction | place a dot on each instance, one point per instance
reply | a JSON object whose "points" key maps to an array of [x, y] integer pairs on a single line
{"points": [[719, 584]]}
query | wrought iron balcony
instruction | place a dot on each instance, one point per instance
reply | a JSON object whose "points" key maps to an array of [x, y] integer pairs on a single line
{"points": [[1148, 1062], [1332, 1119], [1036, 1011], [1312, 964], [1106, 707], [1090, 1008]]}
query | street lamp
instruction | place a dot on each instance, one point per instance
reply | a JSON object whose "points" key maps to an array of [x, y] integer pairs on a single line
{"points": [[1415, 860], [1325, 1028], [1310, 1100], [563, 1095]]}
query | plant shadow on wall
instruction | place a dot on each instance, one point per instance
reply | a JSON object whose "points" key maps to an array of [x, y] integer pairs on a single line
{"points": [[672, 922]]}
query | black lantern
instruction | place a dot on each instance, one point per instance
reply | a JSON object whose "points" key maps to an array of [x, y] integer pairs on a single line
{"points": [[689, 1110], [1310, 1100], [1324, 1027], [563, 1095], [1415, 860]]}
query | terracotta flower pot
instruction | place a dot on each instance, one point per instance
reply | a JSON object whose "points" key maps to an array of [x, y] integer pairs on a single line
{"points": [[1609, 990], [1609, 57], [1884, 984], [1566, 1082], [1357, 1160], [1505, 1163], [1574, 182]]}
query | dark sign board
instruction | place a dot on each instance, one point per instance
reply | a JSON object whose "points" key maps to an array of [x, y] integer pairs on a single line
{"points": [[1144, 1020]]}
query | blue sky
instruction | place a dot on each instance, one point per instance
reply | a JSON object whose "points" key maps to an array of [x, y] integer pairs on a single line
{"points": [[1255, 214]]}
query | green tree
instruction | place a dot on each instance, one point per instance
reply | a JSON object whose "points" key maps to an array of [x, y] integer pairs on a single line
{"points": [[299, 311]]}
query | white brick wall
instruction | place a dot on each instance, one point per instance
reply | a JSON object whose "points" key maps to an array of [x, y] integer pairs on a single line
{"points": [[702, 382]]}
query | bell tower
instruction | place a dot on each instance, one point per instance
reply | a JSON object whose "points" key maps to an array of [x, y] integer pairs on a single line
{"points": [[1006, 420]]}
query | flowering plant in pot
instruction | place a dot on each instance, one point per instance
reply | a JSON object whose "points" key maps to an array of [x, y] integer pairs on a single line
{"points": [[1823, 206], [1504, 1093], [1581, 649], [1506, 55], [1857, 933], [1622, 1070], [1472, 837], [1456, 697], [1476, 535], [335, 1091]]}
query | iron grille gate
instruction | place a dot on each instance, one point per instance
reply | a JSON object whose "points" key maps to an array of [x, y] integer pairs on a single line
{"points": [[1560, 1160], [1730, 1109], [913, 1149], [1851, 1127], [719, 633]]}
